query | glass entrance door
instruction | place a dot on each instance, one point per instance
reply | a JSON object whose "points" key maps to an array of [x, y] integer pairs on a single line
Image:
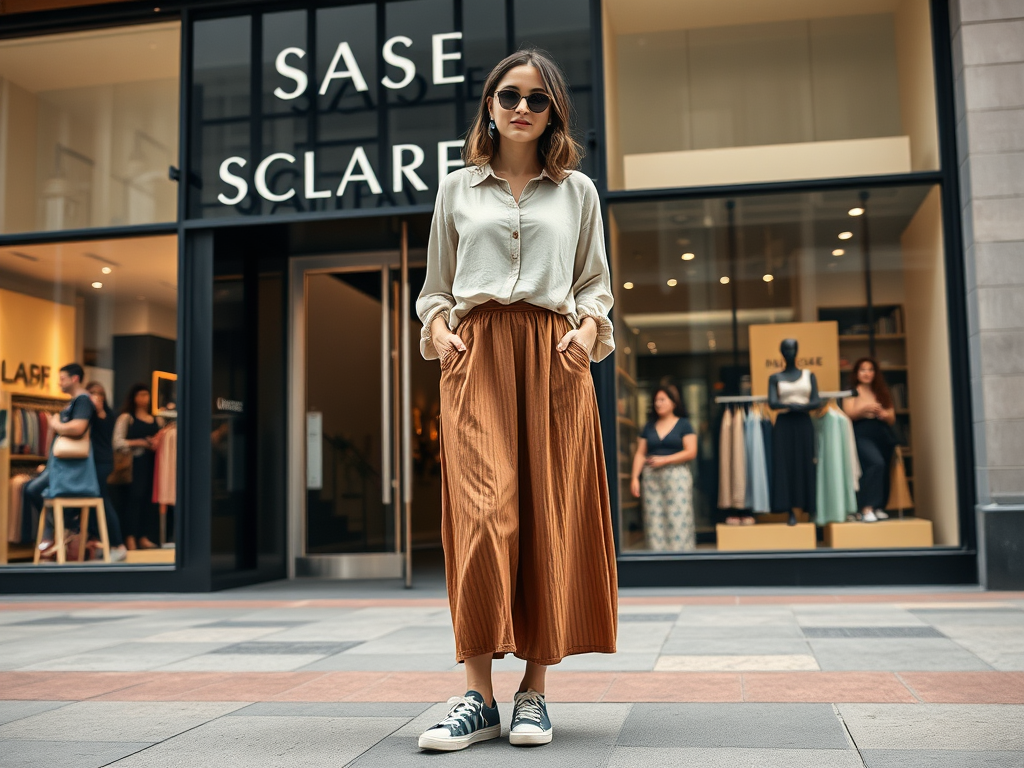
{"points": [[346, 515]]}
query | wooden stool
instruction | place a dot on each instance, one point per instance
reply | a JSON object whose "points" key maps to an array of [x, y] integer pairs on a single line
{"points": [[85, 504]]}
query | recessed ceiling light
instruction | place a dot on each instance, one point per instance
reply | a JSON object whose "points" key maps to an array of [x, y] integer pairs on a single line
{"points": [[627, 350], [671, 282], [768, 278], [97, 284], [651, 345], [838, 252], [856, 211], [106, 270], [724, 280], [627, 286], [845, 235], [688, 257]]}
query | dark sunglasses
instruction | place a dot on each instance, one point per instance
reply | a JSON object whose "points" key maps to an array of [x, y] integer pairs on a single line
{"points": [[537, 102]]}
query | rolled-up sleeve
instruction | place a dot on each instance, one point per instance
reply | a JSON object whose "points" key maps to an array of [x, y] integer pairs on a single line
{"points": [[436, 297], [591, 279]]}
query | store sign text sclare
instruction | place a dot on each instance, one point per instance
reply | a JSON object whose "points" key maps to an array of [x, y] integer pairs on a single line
{"points": [[406, 159]]}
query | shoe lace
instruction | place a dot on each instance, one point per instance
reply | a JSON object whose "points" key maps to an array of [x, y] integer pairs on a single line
{"points": [[529, 707], [461, 711]]}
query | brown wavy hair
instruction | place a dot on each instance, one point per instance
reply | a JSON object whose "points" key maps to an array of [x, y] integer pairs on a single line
{"points": [[878, 385], [557, 150]]}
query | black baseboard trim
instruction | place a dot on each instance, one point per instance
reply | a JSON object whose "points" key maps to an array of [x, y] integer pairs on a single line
{"points": [[859, 569]]}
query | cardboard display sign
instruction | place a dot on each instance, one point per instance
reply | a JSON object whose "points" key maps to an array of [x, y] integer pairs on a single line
{"points": [[818, 351]]}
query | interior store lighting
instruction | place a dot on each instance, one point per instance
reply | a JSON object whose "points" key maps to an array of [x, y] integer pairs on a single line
{"points": [[845, 235], [688, 256], [838, 252], [671, 282], [627, 286], [856, 211], [724, 280], [768, 278], [97, 285], [106, 270]]}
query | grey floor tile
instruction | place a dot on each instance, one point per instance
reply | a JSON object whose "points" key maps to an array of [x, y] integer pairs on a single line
{"points": [[969, 617], [660, 757], [642, 637], [335, 632], [628, 618], [242, 662], [585, 735], [738, 616], [16, 710], [66, 620], [935, 726], [940, 758], [789, 631], [379, 662], [73, 754], [267, 647], [331, 709], [19, 617], [747, 726], [1007, 662], [876, 616], [254, 624], [22, 653], [116, 720], [726, 646], [125, 657], [867, 633], [412, 639], [895, 655], [277, 742]]}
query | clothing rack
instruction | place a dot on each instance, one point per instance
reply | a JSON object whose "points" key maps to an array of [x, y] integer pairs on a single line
{"points": [[764, 398]]}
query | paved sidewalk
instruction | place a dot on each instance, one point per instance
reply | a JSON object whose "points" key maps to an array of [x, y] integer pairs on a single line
{"points": [[319, 674]]}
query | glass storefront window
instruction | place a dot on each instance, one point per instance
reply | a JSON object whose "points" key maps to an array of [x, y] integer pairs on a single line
{"points": [[89, 129], [706, 290], [701, 94], [360, 106], [111, 307]]}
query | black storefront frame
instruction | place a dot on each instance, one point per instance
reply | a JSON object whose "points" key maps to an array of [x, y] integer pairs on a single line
{"points": [[192, 572]]}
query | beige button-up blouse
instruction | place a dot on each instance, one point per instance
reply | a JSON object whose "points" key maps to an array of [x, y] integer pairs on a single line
{"points": [[547, 249]]}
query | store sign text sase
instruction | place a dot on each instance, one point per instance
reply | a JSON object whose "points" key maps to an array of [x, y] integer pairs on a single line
{"points": [[406, 159]]}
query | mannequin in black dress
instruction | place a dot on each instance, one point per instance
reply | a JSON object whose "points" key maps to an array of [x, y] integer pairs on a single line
{"points": [[794, 392]]}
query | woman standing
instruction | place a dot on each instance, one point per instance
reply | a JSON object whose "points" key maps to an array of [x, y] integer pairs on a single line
{"points": [[515, 305], [102, 434], [135, 431], [666, 445], [873, 415]]}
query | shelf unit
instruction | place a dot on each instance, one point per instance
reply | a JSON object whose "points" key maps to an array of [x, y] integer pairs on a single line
{"points": [[17, 463], [885, 340], [627, 420]]}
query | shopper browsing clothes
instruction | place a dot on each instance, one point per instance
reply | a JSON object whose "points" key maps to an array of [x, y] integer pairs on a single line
{"points": [[660, 469], [101, 431], [873, 415], [135, 431], [515, 305], [66, 476]]}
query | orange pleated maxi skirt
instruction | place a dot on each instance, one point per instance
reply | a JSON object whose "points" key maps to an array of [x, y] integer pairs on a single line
{"points": [[526, 521]]}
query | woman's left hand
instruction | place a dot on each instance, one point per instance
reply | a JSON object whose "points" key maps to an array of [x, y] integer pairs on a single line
{"points": [[657, 462], [585, 335]]}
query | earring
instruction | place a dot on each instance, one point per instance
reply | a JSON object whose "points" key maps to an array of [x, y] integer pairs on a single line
{"points": [[491, 128]]}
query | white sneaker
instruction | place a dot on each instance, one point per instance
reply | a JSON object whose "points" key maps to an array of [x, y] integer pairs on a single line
{"points": [[869, 517], [530, 722], [468, 721], [117, 554], [881, 514]]}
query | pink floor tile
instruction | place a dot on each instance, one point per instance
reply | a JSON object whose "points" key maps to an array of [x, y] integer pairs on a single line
{"points": [[831, 687], [967, 687], [674, 686]]}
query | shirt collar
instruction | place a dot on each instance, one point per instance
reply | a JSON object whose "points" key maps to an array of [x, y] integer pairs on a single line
{"points": [[481, 172]]}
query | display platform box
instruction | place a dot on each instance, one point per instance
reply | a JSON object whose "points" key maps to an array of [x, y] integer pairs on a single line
{"points": [[765, 536], [164, 556], [885, 534]]}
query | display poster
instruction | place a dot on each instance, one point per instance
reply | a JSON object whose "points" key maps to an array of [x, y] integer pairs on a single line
{"points": [[818, 351], [37, 337]]}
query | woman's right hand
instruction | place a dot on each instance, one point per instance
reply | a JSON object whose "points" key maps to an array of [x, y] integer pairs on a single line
{"points": [[634, 487], [443, 339]]}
